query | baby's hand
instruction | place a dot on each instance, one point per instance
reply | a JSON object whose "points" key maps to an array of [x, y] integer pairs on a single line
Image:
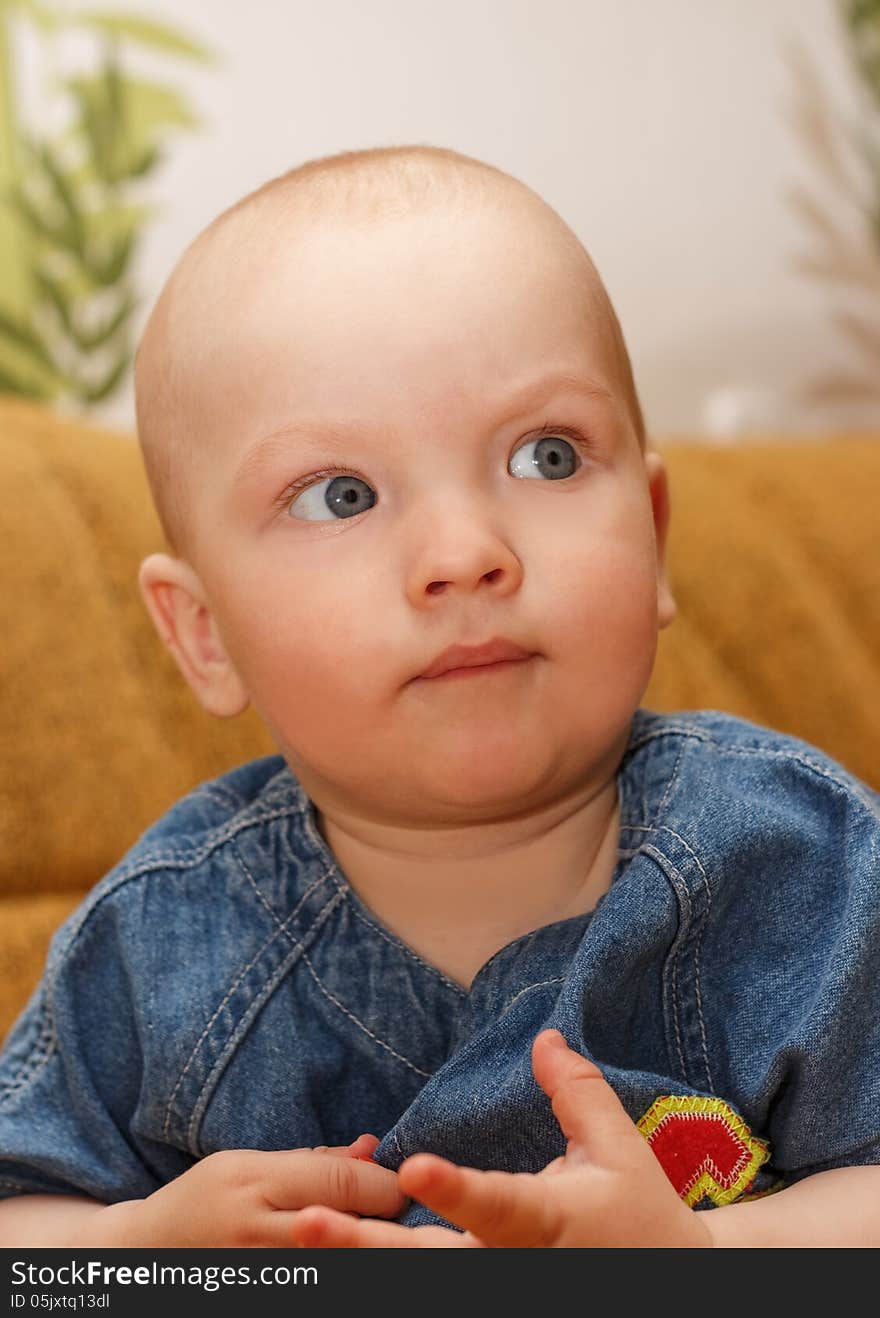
{"points": [[608, 1190], [248, 1198]]}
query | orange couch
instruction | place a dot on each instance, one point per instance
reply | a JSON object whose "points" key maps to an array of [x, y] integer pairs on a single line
{"points": [[774, 557]]}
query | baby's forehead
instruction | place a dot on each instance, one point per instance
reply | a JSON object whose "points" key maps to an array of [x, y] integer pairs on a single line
{"points": [[202, 325], [270, 232], [224, 293]]}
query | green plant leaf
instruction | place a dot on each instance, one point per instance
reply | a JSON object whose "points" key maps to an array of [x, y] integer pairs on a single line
{"points": [[57, 294], [89, 341], [65, 304], [93, 123], [25, 341], [114, 220], [860, 12], [46, 19], [97, 393], [60, 236], [62, 190], [74, 283], [146, 32], [145, 163], [27, 366], [114, 92], [149, 108], [113, 267], [81, 236], [25, 387]]}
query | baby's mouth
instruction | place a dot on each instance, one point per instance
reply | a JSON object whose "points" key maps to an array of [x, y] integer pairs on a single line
{"points": [[464, 660]]}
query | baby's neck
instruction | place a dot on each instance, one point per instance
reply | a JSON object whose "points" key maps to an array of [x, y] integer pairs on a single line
{"points": [[458, 911]]}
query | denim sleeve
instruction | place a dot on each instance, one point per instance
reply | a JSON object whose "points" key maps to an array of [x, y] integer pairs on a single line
{"points": [[826, 1112], [71, 1072]]}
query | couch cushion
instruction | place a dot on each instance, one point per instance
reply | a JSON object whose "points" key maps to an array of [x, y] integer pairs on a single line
{"points": [[99, 733], [774, 559]]}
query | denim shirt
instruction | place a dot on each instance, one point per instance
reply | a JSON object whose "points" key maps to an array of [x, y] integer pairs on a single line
{"points": [[224, 986]]}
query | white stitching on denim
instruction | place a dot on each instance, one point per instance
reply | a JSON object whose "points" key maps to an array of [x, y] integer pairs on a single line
{"points": [[398, 943], [670, 729], [212, 792], [231, 1042], [559, 979], [182, 859], [44, 1045], [673, 782], [684, 897], [689, 730], [273, 915], [280, 929], [327, 994], [847, 786], [38, 1056], [345, 893], [400, 1148], [698, 938]]}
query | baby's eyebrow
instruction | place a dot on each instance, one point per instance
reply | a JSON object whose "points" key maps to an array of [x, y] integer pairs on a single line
{"points": [[537, 392], [337, 434], [264, 451]]}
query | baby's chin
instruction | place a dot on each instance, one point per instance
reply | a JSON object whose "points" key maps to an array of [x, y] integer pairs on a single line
{"points": [[453, 790]]}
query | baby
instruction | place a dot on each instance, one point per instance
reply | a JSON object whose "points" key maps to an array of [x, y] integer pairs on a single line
{"points": [[483, 914]]}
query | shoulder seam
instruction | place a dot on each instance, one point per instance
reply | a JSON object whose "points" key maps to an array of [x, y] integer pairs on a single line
{"points": [[850, 785]]}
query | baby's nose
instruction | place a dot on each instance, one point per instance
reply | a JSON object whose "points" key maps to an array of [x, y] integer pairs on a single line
{"points": [[437, 587]]}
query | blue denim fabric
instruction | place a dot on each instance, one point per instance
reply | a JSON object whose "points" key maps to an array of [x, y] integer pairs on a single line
{"points": [[224, 987]]}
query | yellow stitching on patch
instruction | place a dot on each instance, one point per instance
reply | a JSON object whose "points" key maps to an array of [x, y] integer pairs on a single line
{"points": [[706, 1179]]}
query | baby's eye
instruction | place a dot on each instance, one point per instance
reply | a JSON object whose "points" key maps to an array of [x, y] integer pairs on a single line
{"points": [[340, 496], [552, 456], [335, 497]]}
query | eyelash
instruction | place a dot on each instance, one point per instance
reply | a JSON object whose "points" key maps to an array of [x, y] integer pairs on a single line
{"points": [[287, 495]]}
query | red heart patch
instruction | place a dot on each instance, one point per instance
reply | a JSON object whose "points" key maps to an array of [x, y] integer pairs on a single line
{"points": [[704, 1147]]}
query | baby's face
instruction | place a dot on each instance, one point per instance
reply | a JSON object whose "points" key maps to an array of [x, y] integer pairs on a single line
{"points": [[414, 437]]}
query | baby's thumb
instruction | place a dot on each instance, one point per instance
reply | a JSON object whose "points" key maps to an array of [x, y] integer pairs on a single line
{"points": [[590, 1114]]}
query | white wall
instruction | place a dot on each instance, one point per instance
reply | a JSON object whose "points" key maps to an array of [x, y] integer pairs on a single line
{"points": [[657, 128]]}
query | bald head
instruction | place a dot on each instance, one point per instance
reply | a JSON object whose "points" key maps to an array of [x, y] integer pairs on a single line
{"points": [[356, 187]]}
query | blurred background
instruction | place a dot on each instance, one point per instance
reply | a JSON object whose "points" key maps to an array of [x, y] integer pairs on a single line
{"points": [[721, 163]]}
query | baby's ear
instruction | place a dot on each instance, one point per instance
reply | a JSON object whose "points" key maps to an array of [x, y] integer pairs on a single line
{"points": [[658, 485], [177, 604]]}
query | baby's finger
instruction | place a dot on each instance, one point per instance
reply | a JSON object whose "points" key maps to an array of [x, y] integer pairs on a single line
{"points": [[324, 1228], [503, 1210], [298, 1179], [589, 1112], [362, 1147]]}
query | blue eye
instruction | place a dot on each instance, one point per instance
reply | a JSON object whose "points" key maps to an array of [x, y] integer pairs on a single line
{"points": [[343, 496], [553, 457]]}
